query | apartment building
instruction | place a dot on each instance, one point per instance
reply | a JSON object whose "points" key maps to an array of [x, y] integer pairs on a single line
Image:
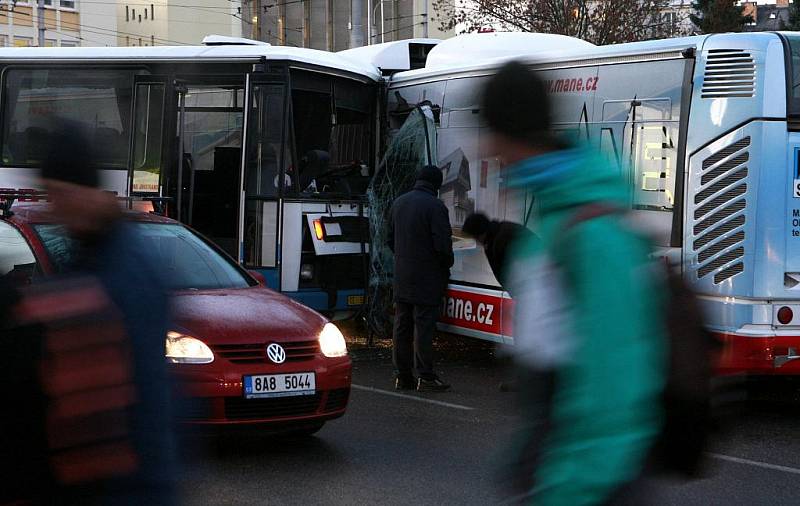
{"points": [[61, 23], [175, 22], [335, 25]]}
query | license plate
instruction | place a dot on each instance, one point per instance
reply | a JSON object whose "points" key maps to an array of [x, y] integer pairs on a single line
{"points": [[279, 385]]}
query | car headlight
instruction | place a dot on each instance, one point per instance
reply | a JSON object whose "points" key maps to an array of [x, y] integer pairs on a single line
{"points": [[331, 341], [183, 349]]}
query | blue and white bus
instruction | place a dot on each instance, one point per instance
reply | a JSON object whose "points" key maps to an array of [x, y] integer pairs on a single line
{"points": [[705, 129], [265, 150]]}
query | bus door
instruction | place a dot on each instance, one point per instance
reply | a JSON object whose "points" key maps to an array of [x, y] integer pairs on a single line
{"points": [[147, 160], [266, 158], [210, 125]]}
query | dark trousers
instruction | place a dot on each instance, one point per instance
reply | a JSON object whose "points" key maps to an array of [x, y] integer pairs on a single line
{"points": [[414, 325]]}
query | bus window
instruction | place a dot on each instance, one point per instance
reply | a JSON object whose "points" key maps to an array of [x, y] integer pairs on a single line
{"points": [[148, 125], [463, 101], [212, 148], [95, 99], [654, 155], [266, 155], [794, 73], [351, 135], [333, 134]]}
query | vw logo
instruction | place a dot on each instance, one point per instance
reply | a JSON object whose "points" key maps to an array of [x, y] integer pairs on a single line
{"points": [[276, 353]]}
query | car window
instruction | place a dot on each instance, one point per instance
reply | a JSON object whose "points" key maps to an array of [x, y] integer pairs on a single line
{"points": [[183, 259], [17, 261], [187, 261], [60, 247]]}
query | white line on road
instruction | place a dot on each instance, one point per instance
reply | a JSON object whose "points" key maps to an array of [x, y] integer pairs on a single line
{"points": [[755, 463], [412, 397]]}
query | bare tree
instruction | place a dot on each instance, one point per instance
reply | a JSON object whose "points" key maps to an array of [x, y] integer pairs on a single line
{"points": [[598, 21]]}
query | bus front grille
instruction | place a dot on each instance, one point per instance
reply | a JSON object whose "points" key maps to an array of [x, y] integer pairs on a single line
{"points": [[720, 212]]}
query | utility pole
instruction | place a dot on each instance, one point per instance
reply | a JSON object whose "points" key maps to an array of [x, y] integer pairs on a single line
{"points": [[40, 21], [356, 23]]}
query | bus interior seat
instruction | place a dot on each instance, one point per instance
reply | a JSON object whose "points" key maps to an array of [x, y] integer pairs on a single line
{"points": [[349, 143], [350, 147]]}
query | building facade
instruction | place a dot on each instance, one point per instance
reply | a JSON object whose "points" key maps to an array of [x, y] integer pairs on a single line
{"points": [[59, 23], [175, 22], [766, 16], [331, 25]]}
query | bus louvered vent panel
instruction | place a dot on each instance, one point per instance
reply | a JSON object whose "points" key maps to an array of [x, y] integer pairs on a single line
{"points": [[730, 73], [720, 215]]}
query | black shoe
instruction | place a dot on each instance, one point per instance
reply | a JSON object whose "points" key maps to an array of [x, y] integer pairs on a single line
{"points": [[431, 385], [404, 383]]}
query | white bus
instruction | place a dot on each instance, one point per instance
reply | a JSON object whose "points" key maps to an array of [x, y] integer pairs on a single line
{"points": [[265, 150], [706, 130]]}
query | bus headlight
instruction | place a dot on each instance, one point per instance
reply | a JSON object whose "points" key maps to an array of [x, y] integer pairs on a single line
{"points": [[183, 349], [331, 341]]}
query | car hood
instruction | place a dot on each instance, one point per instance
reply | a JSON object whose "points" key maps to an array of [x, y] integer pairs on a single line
{"points": [[243, 316]]}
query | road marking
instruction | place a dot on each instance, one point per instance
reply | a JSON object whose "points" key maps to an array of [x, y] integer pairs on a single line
{"points": [[413, 398], [755, 463]]}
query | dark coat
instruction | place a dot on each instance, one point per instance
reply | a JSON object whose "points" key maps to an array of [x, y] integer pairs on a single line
{"points": [[422, 246], [500, 236]]}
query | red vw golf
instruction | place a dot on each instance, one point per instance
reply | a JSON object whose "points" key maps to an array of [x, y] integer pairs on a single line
{"points": [[239, 352]]}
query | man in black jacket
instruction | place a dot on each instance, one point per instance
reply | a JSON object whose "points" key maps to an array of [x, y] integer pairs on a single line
{"points": [[423, 252], [497, 238]]}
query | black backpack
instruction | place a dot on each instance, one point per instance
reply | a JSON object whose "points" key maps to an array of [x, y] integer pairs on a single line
{"points": [[687, 395]]}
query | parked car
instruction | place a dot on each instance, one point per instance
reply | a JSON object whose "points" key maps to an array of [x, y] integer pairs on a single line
{"points": [[239, 352]]}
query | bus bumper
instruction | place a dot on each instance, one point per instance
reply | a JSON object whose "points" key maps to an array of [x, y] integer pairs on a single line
{"points": [[759, 355]]}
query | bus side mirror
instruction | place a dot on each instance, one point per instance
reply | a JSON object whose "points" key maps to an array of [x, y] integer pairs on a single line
{"points": [[258, 277]]}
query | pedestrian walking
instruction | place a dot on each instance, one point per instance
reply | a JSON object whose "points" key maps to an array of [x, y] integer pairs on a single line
{"points": [[102, 432], [421, 241], [589, 339]]}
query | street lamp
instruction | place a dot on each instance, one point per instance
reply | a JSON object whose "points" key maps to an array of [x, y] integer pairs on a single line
{"points": [[383, 21]]}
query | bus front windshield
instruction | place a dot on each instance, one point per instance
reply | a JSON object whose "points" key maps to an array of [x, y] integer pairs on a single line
{"points": [[333, 135], [793, 71], [182, 259]]}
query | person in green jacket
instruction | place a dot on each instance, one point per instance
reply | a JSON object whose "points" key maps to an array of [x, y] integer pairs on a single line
{"points": [[589, 334]]}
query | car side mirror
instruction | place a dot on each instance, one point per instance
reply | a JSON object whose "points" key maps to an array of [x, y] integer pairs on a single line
{"points": [[259, 277]]}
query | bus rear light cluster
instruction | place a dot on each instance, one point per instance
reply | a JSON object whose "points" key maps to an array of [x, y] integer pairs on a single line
{"points": [[785, 315]]}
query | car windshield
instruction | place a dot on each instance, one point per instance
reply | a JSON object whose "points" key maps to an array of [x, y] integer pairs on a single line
{"points": [[17, 262], [185, 261]]}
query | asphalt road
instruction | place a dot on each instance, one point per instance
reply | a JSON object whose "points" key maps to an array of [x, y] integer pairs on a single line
{"points": [[437, 449]]}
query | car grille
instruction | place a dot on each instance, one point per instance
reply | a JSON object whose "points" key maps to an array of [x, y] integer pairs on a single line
{"points": [[337, 399], [296, 351], [239, 408]]}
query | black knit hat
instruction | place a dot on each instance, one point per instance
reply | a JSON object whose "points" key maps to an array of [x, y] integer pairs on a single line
{"points": [[515, 103], [431, 174], [69, 158], [475, 225]]}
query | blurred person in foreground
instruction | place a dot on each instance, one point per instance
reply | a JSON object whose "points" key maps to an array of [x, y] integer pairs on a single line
{"points": [[107, 425], [589, 343], [421, 239]]}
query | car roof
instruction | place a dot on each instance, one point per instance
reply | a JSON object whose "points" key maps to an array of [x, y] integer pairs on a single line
{"points": [[39, 213]]}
